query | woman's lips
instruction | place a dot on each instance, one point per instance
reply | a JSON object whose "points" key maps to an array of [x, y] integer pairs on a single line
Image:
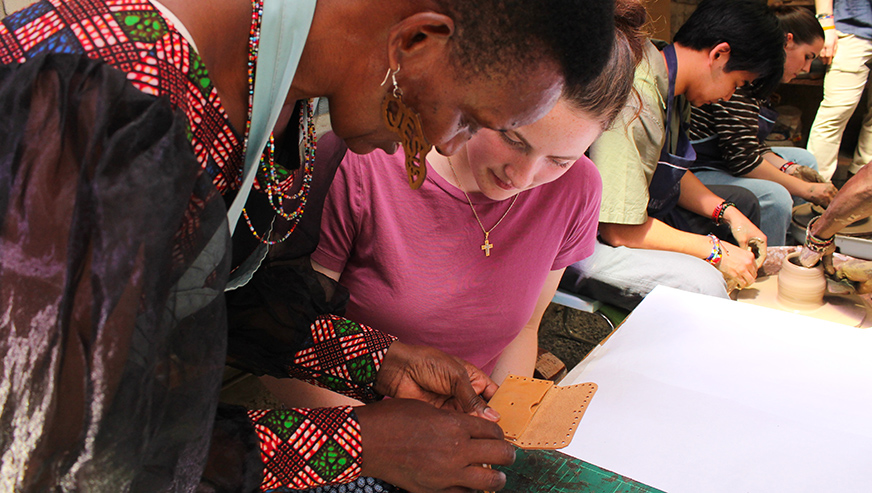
{"points": [[500, 183]]}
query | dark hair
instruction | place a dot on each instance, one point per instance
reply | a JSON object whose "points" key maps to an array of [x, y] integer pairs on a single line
{"points": [[503, 37], [749, 27], [799, 22], [605, 96]]}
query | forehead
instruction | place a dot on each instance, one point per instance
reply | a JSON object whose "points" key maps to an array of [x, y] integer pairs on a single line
{"points": [[564, 131], [511, 101]]}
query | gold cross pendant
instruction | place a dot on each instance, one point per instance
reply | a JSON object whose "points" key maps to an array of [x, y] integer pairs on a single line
{"points": [[487, 245]]}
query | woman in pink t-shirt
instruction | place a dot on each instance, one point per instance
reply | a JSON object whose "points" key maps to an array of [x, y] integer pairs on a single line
{"points": [[469, 262]]}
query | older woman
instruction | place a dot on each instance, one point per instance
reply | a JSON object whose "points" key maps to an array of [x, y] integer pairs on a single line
{"points": [[132, 133]]}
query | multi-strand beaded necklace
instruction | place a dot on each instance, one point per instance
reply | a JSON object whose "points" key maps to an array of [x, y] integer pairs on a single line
{"points": [[277, 187]]}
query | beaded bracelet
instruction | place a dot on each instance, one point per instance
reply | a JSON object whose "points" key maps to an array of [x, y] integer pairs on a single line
{"points": [[816, 244], [786, 165], [718, 213], [714, 258], [823, 16]]}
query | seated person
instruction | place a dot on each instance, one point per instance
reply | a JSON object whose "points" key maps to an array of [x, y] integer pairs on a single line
{"points": [[469, 262], [728, 138], [659, 224]]}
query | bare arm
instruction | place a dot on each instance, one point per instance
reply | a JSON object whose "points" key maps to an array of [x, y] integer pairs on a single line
{"points": [[332, 274], [736, 263], [697, 198], [830, 38], [519, 357], [816, 193], [853, 202]]}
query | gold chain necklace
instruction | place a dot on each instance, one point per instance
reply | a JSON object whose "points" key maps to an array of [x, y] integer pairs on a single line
{"points": [[486, 247]]}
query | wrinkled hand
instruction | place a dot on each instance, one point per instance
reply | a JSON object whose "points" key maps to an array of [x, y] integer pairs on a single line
{"points": [[429, 375], [425, 450], [738, 265], [810, 258], [805, 173], [859, 272], [821, 193]]}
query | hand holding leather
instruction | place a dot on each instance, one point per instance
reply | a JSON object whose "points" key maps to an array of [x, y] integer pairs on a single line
{"points": [[429, 375], [426, 450]]}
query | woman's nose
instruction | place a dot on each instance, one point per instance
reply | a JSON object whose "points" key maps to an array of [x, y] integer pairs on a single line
{"points": [[521, 173]]}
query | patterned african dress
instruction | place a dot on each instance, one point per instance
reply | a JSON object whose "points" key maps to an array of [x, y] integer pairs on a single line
{"points": [[116, 157]]}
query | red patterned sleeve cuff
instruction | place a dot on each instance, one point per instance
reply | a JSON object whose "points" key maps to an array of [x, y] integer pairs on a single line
{"points": [[306, 448], [342, 356]]}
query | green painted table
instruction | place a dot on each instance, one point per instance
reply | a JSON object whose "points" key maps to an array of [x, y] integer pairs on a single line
{"points": [[549, 471]]}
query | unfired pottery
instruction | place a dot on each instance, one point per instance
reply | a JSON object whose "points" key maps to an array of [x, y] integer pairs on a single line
{"points": [[801, 287], [804, 291]]}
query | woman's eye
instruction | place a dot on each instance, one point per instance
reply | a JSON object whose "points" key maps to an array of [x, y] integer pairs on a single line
{"points": [[510, 141], [563, 164]]}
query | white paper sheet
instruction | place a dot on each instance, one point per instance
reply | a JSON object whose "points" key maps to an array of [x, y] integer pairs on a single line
{"points": [[698, 394]]}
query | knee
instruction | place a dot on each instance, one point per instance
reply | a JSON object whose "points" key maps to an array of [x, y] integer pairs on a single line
{"points": [[700, 277]]}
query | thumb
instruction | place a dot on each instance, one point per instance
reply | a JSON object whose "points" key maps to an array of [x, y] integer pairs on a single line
{"points": [[827, 260], [808, 258], [472, 403]]}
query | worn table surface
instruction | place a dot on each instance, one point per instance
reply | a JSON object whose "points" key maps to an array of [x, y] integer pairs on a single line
{"points": [[549, 471]]}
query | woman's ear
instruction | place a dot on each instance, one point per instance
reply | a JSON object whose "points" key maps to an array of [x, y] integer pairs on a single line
{"points": [[788, 40], [419, 36]]}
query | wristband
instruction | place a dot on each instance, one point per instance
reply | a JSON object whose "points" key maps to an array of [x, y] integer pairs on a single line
{"points": [[718, 213], [786, 165], [714, 258], [827, 28], [816, 244]]}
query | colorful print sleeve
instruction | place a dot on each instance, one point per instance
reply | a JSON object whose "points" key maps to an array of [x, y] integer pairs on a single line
{"points": [[305, 448], [342, 356]]}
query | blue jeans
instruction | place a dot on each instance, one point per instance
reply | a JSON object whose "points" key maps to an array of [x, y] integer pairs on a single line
{"points": [[776, 203], [623, 276]]}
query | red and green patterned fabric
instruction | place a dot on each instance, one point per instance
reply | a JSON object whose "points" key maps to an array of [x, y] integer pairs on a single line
{"points": [[132, 36], [342, 356], [332, 453], [299, 448]]}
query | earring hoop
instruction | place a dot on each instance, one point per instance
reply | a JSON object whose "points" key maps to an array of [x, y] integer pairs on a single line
{"points": [[393, 76]]}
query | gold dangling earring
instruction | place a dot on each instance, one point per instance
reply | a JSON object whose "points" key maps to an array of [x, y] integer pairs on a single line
{"points": [[406, 123]]}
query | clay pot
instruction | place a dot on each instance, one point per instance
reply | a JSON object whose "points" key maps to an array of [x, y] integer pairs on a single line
{"points": [[801, 287]]}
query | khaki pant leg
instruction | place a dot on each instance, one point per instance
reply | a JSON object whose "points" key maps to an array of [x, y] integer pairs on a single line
{"points": [[843, 87]]}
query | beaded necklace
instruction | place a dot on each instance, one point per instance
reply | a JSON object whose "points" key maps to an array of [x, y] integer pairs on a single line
{"points": [[275, 187]]}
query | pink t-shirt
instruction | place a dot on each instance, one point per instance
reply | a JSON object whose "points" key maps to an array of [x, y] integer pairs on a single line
{"points": [[413, 263]]}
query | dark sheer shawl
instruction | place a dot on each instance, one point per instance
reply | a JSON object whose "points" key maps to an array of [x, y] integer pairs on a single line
{"points": [[113, 258]]}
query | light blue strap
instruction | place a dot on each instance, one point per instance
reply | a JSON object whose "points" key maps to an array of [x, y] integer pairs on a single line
{"points": [[283, 33]]}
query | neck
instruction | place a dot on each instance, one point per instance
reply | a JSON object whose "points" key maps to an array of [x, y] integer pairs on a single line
{"points": [[685, 57], [221, 34], [460, 163]]}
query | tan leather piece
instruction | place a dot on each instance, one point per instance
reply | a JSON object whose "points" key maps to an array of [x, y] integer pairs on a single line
{"points": [[516, 401], [536, 414]]}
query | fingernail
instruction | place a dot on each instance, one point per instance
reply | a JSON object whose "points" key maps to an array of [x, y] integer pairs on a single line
{"points": [[491, 414]]}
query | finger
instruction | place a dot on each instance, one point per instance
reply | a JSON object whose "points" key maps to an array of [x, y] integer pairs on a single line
{"points": [[827, 260], [498, 452], [479, 428], [469, 400], [481, 382], [481, 478]]}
